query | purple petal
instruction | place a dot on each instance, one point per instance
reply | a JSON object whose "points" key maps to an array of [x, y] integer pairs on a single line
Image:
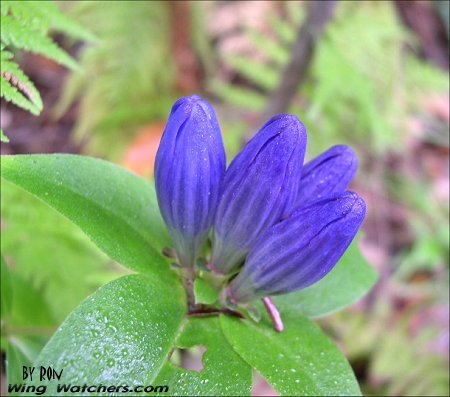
{"points": [[260, 187], [300, 250], [189, 169], [330, 172]]}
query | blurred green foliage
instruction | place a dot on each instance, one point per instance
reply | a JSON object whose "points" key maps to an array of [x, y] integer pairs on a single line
{"points": [[429, 223], [49, 252], [126, 78], [399, 353], [360, 91]]}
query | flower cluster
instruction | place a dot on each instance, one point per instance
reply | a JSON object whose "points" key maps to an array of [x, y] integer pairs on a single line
{"points": [[277, 225]]}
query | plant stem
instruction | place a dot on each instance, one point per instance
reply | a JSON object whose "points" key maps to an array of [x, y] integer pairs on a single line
{"points": [[188, 279], [213, 312], [274, 314]]}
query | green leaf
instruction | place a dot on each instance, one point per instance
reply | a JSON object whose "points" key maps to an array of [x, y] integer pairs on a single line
{"points": [[115, 208], [22, 351], [6, 291], [204, 292], [120, 335], [301, 361], [352, 278], [224, 372], [15, 359]]}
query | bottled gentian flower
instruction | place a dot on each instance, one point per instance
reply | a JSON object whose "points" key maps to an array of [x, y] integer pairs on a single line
{"points": [[189, 169], [260, 187], [330, 172], [300, 250]]}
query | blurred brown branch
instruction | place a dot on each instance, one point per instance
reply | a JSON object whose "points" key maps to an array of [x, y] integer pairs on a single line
{"points": [[309, 34], [425, 22], [186, 63]]}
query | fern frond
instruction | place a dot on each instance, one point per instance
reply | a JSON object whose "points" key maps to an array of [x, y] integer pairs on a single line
{"points": [[59, 21], [12, 94], [237, 96], [261, 74], [22, 12], [16, 34], [45, 15], [25, 26], [273, 51], [16, 87], [284, 31]]}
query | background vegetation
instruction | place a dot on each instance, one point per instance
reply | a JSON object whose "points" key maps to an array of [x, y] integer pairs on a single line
{"points": [[99, 79]]}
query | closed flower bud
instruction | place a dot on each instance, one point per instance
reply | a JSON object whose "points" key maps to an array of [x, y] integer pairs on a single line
{"points": [[330, 172], [189, 169], [300, 250], [260, 187]]}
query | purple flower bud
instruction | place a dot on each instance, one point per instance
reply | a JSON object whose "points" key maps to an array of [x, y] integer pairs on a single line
{"points": [[330, 172], [189, 169], [300, 250], [260, 187]]}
